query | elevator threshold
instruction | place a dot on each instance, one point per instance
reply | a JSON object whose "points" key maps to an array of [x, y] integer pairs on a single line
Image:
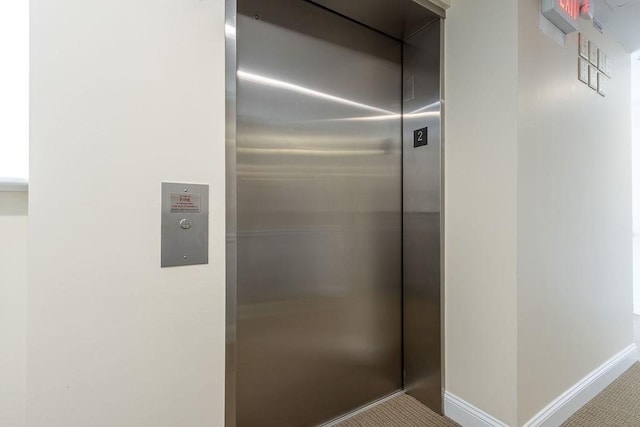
{"points": [[397, 409], [346, 417]]}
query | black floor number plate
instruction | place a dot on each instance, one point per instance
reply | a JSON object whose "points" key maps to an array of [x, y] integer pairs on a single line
{"points": [[420, 137]]}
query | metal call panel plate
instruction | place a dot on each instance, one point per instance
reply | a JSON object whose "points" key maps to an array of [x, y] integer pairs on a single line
{"points": [[185, 224]]}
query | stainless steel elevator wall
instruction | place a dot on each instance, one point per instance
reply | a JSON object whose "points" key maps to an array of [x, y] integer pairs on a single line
{"points": [[319, 216], [422, 217]]}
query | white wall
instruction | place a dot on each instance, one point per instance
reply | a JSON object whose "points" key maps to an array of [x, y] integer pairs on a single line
{"points": [[635, 170], [537, 213], [14, 87], [574, 214], [13, 302], [480, 204], [125, 94]]}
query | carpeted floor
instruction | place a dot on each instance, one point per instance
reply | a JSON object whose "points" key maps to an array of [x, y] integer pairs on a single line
{"points": [[617, 406], [401, 411]]}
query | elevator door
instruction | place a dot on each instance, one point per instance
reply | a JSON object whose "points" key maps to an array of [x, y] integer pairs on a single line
{"points": [[319, 265]]}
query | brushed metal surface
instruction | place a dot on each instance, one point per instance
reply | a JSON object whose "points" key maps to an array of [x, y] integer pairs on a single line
{"points": [[179, 245], [231, 213], [319, 215], [398, 19], [422, 218]]}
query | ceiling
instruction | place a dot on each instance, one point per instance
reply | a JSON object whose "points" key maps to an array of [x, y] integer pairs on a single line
{"points": [[621, 20]]}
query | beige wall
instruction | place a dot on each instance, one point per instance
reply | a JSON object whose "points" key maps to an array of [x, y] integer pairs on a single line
{"points": [[13, 301], [635, 169], [574, 214], [480, 204], [538, 211], [125, 94]]}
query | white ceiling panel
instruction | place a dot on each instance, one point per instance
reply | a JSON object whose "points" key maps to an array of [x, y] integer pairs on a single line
{"points": [[623, 3], [621, 20]]}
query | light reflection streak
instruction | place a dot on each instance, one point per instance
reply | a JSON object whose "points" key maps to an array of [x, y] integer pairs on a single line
{"points": [[310, 152], [427, 107], [390, 117], [230, 31], [267, 81], [416, 114]]}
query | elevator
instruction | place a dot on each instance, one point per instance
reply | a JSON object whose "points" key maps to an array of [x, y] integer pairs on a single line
{"points": [[333, 207]]}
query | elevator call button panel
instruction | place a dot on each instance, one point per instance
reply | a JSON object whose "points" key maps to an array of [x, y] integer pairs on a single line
{"points": [[185, 224]]}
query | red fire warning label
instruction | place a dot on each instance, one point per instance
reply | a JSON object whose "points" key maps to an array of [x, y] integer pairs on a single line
{"points": [[185, 203]]}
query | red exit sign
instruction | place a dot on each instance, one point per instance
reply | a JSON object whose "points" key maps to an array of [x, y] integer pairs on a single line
{"points": [[563, 13], [572, 7]]}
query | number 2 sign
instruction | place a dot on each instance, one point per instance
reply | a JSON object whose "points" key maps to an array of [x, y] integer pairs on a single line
{"points": [[420, 137]]}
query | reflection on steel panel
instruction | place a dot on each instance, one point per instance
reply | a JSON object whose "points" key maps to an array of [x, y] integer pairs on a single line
{"points": [[231, 213], [397, 18], [319, 215], [421, 210]]}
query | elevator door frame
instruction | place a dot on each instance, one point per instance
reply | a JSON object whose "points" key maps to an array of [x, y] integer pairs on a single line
{"points": [[373, 21]]}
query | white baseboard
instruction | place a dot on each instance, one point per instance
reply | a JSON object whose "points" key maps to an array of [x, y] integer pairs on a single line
{"points": [[584, 390], [557, 411], [466, 414]]}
